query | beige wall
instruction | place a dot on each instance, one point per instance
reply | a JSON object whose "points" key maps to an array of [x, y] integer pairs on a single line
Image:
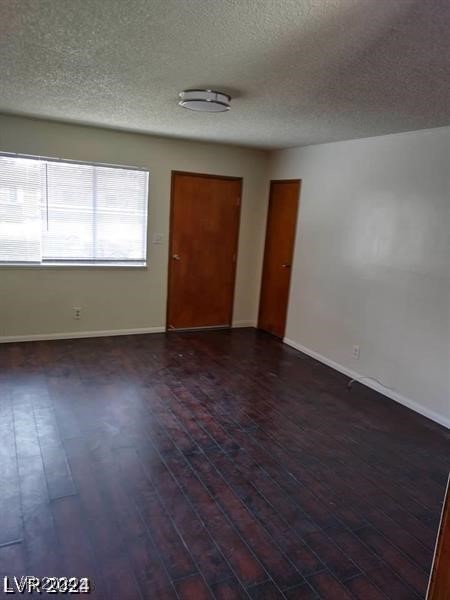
{"points": [[372, 262], [36, 301]]}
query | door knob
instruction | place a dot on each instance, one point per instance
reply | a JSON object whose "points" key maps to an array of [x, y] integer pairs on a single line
{"points": [[286, 266], [176, 257]]}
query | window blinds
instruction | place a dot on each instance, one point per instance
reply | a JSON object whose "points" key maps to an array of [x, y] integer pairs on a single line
{"points": [[20, 210], [64, 212]]}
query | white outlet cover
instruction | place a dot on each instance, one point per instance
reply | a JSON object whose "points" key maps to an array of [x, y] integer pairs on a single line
{"points": [[158, 238]]}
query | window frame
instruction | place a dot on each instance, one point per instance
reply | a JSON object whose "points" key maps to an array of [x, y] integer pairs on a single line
{"points": [[83, 264]]}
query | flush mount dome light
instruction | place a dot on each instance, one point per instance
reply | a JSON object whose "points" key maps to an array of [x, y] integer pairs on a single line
{"points": [[205, 100]]}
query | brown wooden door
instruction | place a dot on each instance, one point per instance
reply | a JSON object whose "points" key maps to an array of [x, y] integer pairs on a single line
{"points": [[202, 250], [439, 587], [279, 249]]}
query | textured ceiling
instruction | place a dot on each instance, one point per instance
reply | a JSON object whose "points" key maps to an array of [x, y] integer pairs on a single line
{"points": [[300, 71]]}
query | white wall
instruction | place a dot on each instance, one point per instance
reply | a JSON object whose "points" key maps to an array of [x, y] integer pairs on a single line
{"points": [[38, 301], [372, 261]]}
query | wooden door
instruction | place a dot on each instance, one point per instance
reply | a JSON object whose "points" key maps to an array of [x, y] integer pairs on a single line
{"points": [[439, 586], [279, 249], [204, 228]]}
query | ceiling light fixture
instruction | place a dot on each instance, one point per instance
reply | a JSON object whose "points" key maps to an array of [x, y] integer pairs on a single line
{"points": [[205, 100]]}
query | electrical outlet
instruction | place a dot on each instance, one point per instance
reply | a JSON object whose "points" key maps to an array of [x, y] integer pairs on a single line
{"points": [[76, 311], [355, 352]]}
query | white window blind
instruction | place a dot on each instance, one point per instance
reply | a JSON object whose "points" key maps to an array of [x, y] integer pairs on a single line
{"points": [[20, 210], [65, 212]]}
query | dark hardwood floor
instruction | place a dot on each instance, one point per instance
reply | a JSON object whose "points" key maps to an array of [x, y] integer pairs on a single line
{"points": [[219, 464]]}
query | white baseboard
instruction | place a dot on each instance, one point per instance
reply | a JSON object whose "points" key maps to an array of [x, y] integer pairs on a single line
{"points": [[78, 334], [244, 324], [68, 335], [374, 385]]}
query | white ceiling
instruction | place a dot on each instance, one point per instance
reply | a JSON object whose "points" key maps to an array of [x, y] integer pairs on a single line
{"points": [[300, 71]]}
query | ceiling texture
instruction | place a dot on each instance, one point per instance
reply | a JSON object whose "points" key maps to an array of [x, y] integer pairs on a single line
{"points": [[299, 71]]}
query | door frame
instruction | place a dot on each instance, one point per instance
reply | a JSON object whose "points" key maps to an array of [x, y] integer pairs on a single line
{"points": [[174, 173], [272, 182]]}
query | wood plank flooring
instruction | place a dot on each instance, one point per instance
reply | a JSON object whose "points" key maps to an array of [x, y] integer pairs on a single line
{"points": [[212, 465]]}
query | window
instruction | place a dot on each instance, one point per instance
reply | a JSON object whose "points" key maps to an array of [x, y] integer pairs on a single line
{"points": [[61, 212]]}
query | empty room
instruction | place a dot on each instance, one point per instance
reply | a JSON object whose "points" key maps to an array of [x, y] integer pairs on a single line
{"points": [[225, 299]]}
